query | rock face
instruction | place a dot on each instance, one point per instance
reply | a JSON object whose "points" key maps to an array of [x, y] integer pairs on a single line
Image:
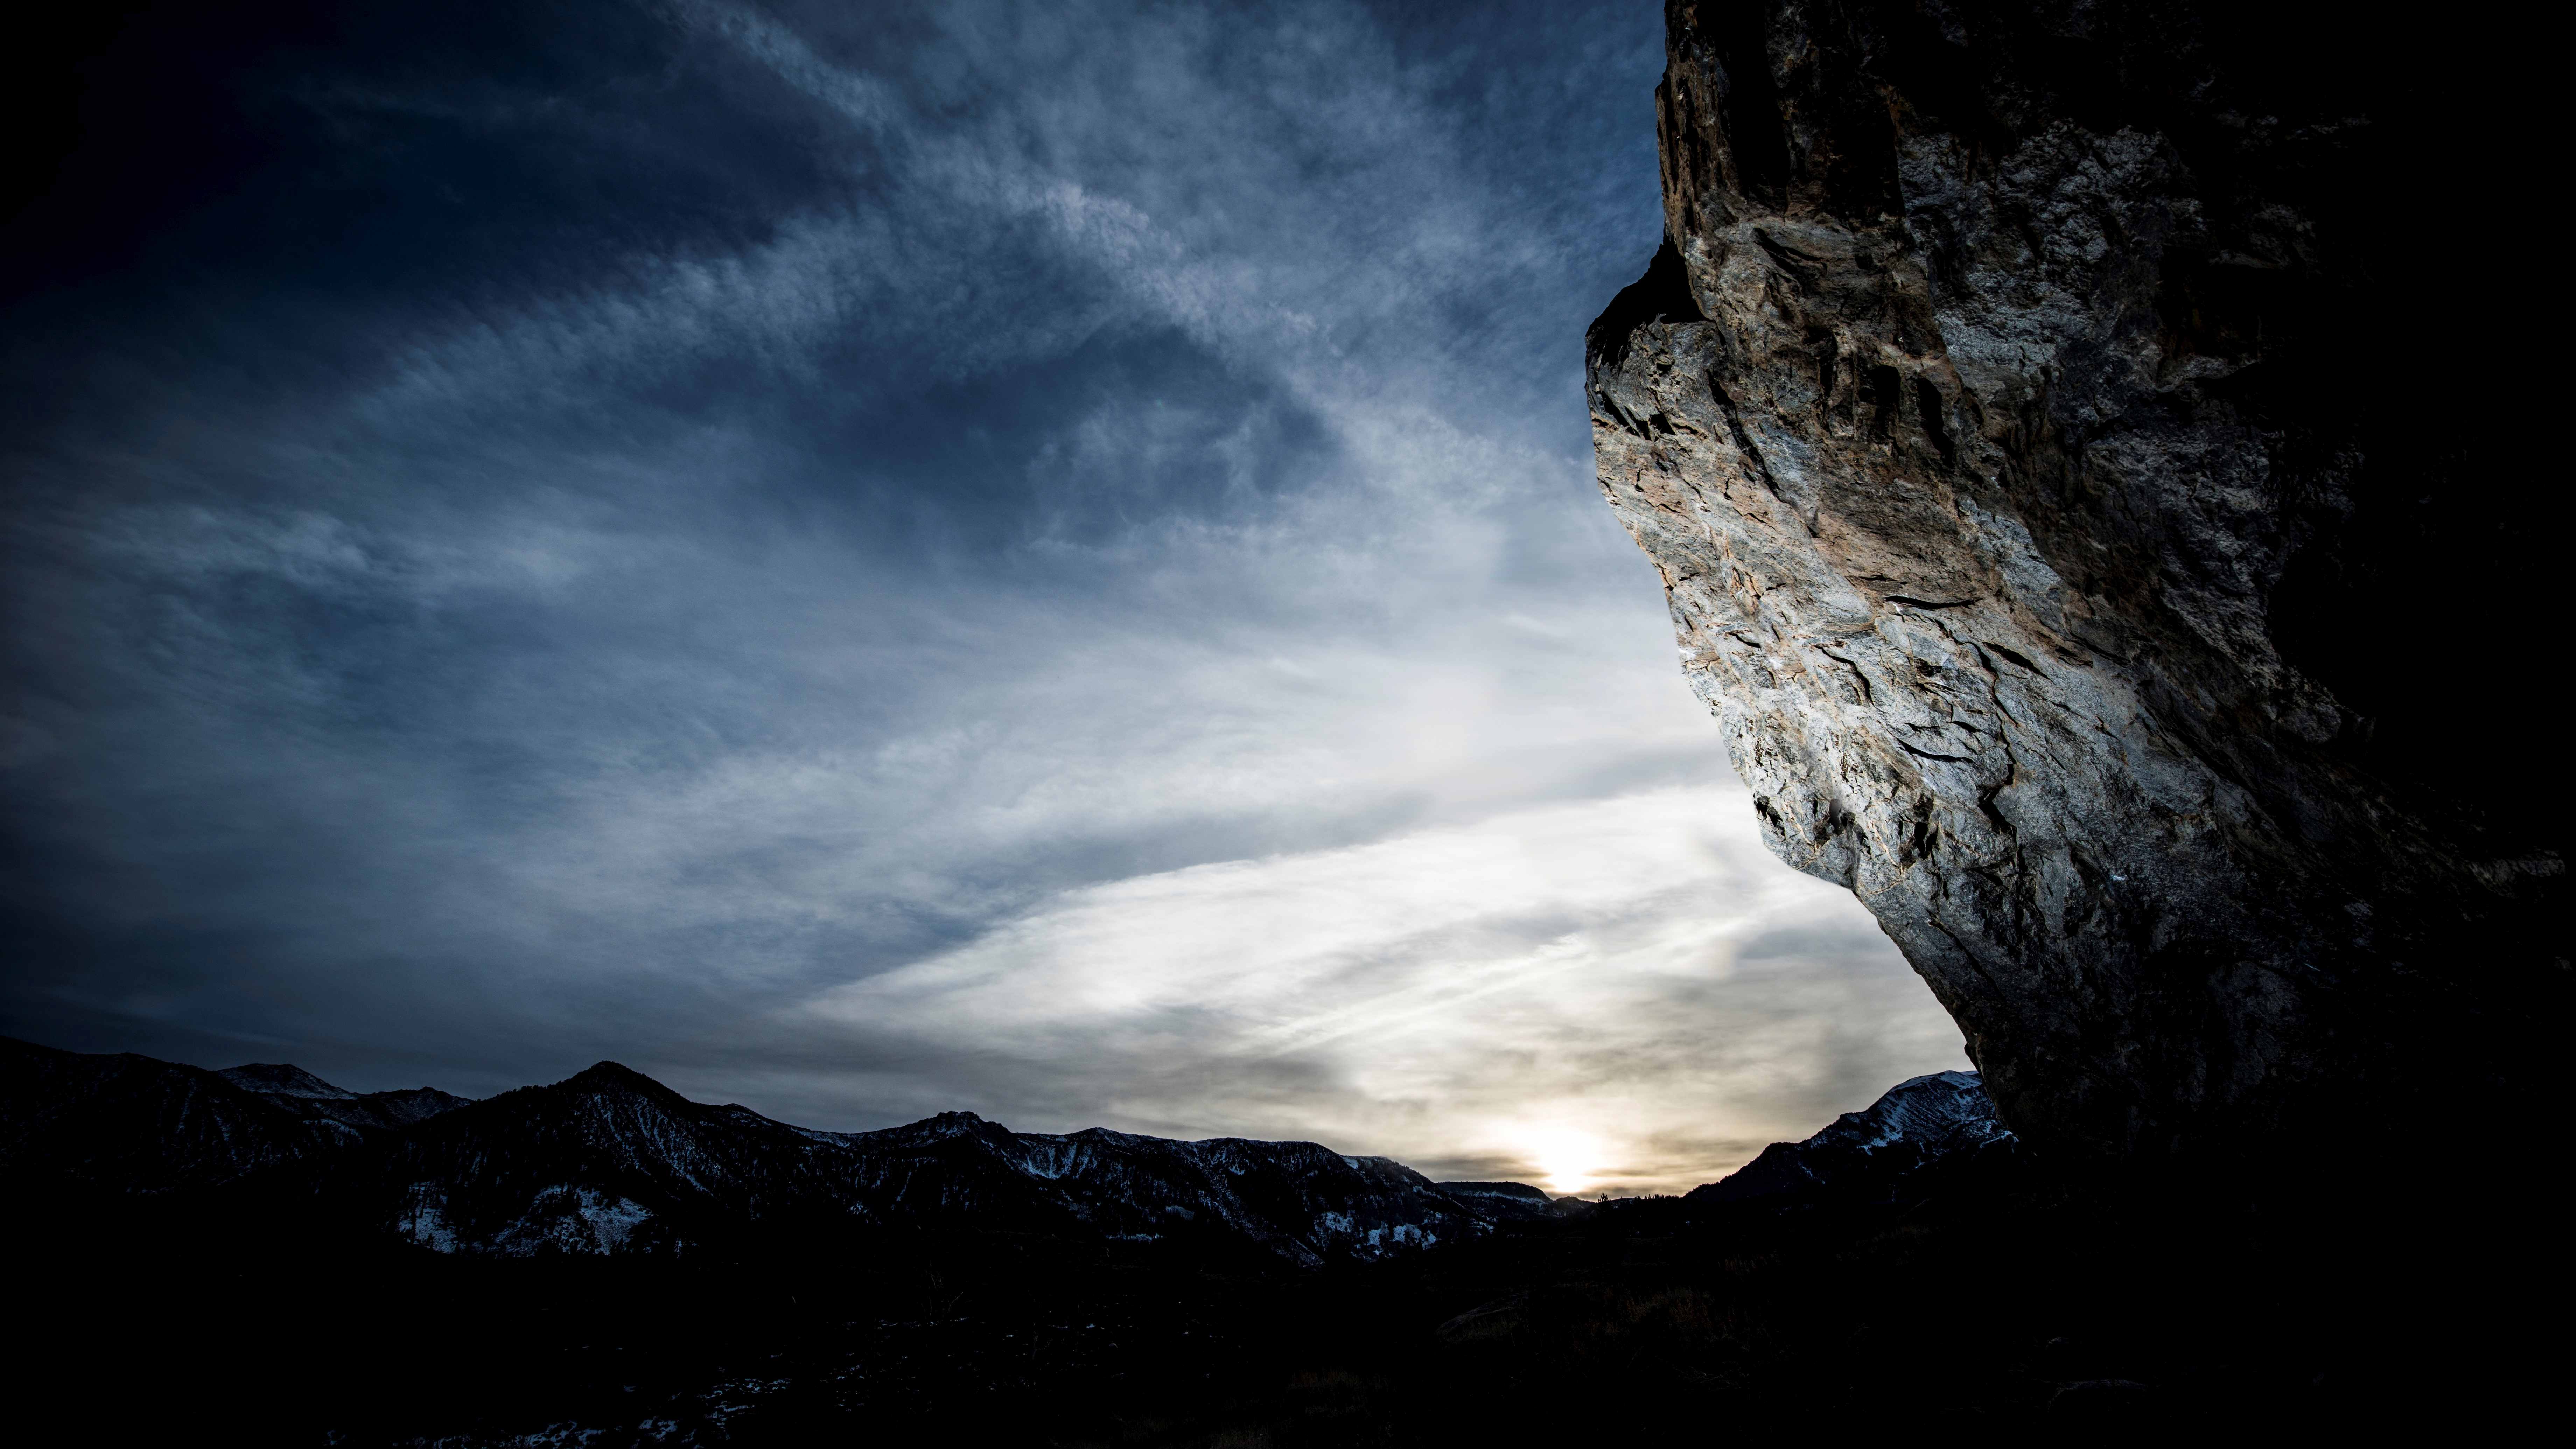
{"points": [[1877, 1156], [2013, 417]]}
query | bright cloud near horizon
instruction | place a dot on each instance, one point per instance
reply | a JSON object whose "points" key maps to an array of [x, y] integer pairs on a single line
{"points": [[871, 560], [1611, 993]]}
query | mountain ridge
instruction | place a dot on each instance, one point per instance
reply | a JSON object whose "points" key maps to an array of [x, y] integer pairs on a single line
{"points": [[611, 1162], [307, 1096]]}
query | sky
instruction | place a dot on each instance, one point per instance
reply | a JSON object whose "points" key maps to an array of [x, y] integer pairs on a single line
{"points": [[871, 559]]}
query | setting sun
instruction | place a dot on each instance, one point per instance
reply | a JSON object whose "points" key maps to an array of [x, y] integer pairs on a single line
{"points": [[1566, 1159]]}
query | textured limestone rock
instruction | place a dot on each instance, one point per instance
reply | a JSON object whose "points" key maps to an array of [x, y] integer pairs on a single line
{"points": [[2019, 414]]}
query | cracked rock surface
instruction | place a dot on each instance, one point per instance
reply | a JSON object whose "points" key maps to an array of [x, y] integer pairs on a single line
{"points": [[2019, 415]]}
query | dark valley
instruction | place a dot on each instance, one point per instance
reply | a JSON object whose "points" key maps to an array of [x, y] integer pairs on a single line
{"points": [[504, 1254], [602, 1261]]}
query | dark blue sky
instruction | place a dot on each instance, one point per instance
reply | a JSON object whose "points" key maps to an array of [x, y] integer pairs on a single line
{"points": [[872, 558]]}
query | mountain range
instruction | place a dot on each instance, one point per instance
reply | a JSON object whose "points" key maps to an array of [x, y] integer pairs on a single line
{"points": [[610, 1162]]}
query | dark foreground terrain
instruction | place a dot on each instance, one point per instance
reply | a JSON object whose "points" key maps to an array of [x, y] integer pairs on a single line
{"points": [[1999, 1302]]}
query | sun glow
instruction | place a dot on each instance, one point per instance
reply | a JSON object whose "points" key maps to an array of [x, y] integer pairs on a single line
{"points": [[1567, 1159]]}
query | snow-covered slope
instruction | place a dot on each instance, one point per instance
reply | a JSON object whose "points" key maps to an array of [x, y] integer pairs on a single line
{"points": [[1874, 1155]]}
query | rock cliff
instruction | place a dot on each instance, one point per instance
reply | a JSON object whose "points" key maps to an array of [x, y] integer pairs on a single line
{"points": [[2078, 442]]}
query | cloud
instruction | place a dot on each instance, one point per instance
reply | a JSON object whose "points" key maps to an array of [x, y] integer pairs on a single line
{"points": [[1624, 972]]}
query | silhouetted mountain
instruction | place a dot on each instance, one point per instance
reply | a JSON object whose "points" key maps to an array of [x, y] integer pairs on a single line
{"points": [[1944, 1119], [611, 1162]]}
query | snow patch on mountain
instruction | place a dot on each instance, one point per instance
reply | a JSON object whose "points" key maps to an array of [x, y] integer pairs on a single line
{"points": [[569, 1219]]}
